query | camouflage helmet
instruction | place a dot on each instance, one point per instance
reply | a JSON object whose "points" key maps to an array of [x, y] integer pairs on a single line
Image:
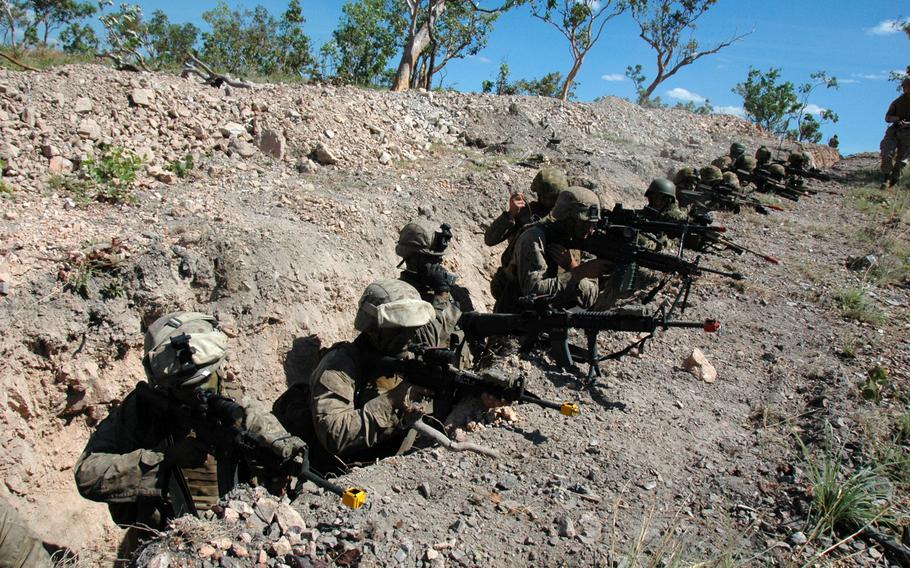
{"points": [[685, 175], [763, 155], [422, 236], [548, 183], [661, 186], [576, 203], [183, 349], [731, 179], [777, 171], [391, 304], [722, 162], [798, 159], [905, 82], [711, 174], [745, 163], [737, 149]]}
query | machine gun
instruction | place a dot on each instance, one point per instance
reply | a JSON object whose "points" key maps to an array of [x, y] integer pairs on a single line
{"points": [[692, 233], [764, 183], [811, 173], [722, 197], [434, 368], [555, 323], [217, 422]]}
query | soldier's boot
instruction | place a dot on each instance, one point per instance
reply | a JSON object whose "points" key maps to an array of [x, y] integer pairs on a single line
{"points": [[887, 166], [896, 173]]}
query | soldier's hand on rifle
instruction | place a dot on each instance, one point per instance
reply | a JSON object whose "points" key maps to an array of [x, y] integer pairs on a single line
{"points": [[561, 256], [594, 268], [437, 278], [409, 399], [516, 204], [188, 452]]}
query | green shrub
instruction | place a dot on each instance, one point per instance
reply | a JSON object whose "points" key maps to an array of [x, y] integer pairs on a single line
{"points": [[109, 178], [855, 303], [181, 168]]}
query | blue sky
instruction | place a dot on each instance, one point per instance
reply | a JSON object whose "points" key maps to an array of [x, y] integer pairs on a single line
{"points": [[848, 39]]}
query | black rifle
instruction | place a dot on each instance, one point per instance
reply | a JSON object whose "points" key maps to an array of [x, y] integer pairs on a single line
{"points": [[217, 422], [693, 233], [556, 323], [812, 173], [434, 368], [764, 183], [722, 197]]}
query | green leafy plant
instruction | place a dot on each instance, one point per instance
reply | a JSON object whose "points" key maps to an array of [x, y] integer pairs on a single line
{"points": [[876, 381], [6, 191], [181, 168], [855, 303]]}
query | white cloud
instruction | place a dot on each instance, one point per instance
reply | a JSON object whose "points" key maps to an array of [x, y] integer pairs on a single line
{"points": [[872, 76], [613, 77], [734, 110], [813, 109], [481, 58], [887, 27], [684, 95], [847, 81]]}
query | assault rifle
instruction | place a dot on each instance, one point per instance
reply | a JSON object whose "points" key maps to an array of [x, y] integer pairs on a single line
{"points": [[555, 323], [435, 368], [766, 184], [217, 422], [692, 233], [722, 197], [811, 173]]}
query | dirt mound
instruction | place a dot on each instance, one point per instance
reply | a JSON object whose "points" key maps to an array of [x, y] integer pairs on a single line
{"points": [[291, 209]]}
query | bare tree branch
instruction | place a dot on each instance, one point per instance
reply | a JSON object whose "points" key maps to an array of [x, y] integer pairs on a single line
{"points": [[445, 442], [209, 77], [14, 62]]}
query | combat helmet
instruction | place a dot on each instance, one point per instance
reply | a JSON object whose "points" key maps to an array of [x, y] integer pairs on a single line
{"points": [[662, 186], [763, 155], [777, 171], [745, 163], [798, 160], [184, 349], [547, 184], [576, 203], [422, 236], [731, 179], [737, 149], [685, 175], [710, 174], [389, 304]]}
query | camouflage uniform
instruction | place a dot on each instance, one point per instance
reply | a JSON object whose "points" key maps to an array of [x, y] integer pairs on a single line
{"points": [[895, 146], [546, 184], [349, 409], [124, 463], [19, 547]]}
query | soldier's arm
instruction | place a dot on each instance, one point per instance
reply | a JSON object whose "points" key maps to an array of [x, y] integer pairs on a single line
{"points": [[114, 468], [533, 268], [891, 115], [499, 229], [20, 547]]}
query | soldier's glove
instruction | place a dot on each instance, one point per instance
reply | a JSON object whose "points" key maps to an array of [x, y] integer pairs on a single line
{"points": [[409, 400], [437, 278], [188, 452]]}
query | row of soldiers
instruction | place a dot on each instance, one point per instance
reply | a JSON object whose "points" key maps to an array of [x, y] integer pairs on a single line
{"points": [[178, 442]]}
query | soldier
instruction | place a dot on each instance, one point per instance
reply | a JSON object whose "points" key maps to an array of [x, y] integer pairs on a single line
{"points": [[421, 246], [546, 184], [895, 146], [348, 410], [710, 175], [833, 142], [762, 157], [149, 467], [661, 196], [19, 546], [541, 250], [686, 179], [737, 149]]}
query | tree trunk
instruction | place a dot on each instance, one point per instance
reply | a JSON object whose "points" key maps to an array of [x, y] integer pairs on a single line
{"points": [[430, 64], [570, 78], [418, 42]]}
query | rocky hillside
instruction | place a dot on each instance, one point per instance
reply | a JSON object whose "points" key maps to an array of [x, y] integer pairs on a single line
{"points": [[291, 207]]}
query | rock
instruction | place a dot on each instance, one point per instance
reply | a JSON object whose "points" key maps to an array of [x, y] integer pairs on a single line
{"points": [[60, 165], [265, 509], [160, 560], [289, 520], [566, 527], [506, 482], [307, 166], [243, 148], [10, 215], [146, 153], [231, 515], [798, 538], [161, 174], [206, 551], [4, 288], [697, 364], [29, 116], [861, 263], [323, 155], [232, 129], [385, 158], [272, 143], [239, 550], [8, 152], [83, 105], [199, 132], [590, 529], [142, 97], [88, 129], [49, 151], [281, 547]]}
